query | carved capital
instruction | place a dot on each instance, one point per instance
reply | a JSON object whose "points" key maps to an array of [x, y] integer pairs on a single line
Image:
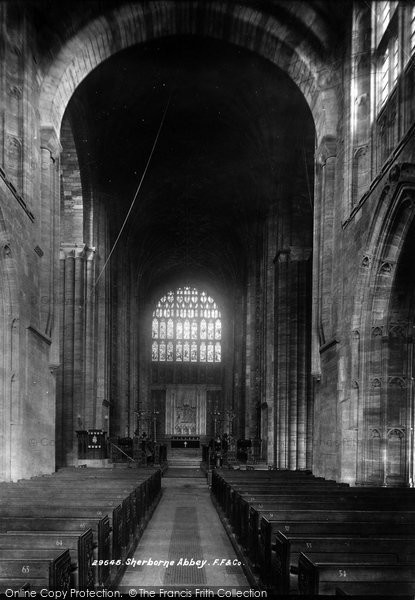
{"points": [[326, 149], [293, 254], [90, 253], [73, 251], [49, 140]]}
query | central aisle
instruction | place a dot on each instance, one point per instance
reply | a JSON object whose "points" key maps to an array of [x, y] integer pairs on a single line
{"points": [[184, 526]]}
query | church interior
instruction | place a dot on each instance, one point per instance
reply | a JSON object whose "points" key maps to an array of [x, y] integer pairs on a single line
{"points": [[207, 311]]}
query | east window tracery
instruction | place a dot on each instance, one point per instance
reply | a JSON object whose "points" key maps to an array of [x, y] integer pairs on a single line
{"points": [[187, 328]]}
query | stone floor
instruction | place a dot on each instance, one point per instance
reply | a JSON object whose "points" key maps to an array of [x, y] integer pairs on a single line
{"points": [[185, 527]]}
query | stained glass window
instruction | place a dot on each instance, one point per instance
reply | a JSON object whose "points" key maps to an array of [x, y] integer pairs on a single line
{"points": [[186, 327]]}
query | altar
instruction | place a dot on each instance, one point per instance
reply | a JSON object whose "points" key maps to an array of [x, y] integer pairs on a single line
{"points": [[185, 441], [186, 413]]}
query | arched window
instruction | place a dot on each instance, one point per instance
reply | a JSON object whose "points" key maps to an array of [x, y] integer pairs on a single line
{"points": [[186, 328]]}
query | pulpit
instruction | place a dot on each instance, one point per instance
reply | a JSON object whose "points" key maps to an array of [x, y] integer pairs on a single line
{"points": [[91, 444]]}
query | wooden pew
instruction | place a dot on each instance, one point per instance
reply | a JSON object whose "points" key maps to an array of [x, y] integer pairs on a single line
{"points": [[221, 480], [297, 505], [288, 548], [147, 491], [56, 493], [71, 510], [236, 498], [133, 514], [224, 488], [247, 523], [93, 494], [296, 500], [80, 545], [240, 498], [270, 528], [100, 527], [52, 571], [322, 576]]}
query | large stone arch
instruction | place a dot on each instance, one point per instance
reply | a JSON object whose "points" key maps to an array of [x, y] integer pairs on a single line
{"points": [[383, 383], [277, 39], [243, 26]]}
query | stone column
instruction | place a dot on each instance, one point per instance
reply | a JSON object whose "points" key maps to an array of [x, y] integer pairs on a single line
{"points": [[76, 402], [323, 249], [91, 415], [251, 357], [120, 346], [327, 159], [361, 56], [49, 232], [102, 313], [292, 357], [267, 406]]}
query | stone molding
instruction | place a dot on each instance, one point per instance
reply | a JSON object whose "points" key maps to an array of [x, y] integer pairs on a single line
{"points": [[77, 251], [293, 254]]}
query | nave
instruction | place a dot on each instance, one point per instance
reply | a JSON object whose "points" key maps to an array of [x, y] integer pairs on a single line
{"points": [[185, 526], [252, 532]]}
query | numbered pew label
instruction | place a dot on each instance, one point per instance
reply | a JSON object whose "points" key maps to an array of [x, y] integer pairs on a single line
{"points": [[26, 569], [342, 573]]}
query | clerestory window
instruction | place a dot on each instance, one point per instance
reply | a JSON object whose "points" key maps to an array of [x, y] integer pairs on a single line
{"points": [[187, 328]]}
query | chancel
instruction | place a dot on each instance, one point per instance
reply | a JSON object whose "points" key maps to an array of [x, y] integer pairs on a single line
{"points": [[207, 307]]}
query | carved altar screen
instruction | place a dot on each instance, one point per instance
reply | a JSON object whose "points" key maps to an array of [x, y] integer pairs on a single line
{"points": [[186, 410]]}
